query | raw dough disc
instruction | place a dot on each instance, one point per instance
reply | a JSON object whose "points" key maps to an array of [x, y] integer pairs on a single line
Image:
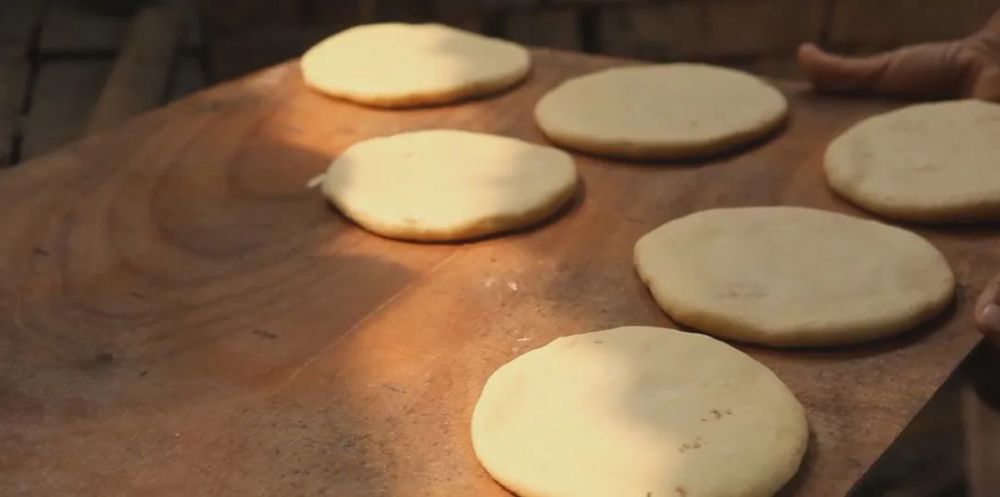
{"points": [[402, 65], [638, 411], [661, 111], [926, 162], [448, 185], [791, 276]]}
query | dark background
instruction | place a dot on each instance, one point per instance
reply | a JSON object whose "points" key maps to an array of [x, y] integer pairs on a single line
{"points": [[56, 55]]}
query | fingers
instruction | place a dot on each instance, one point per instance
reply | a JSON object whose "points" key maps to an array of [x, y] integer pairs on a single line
{"points": [[988, 309], [926, 70], [829, 72], [986, 85], [992, 27]]}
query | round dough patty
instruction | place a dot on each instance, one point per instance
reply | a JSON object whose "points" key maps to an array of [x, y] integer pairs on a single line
{"points": [[638, 411], [448, 185], [926, 162], [402, 65], [665, 111], [792, 276]]}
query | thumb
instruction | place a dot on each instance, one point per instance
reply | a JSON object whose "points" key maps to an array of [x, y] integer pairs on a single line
{"points": [[929, 69], [987, 309]]}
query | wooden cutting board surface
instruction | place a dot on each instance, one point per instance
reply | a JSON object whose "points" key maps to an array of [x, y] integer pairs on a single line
{"points": [[180, 316]]}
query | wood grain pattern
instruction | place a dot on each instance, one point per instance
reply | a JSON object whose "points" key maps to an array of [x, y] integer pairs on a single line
{"points": [[179, 316]]}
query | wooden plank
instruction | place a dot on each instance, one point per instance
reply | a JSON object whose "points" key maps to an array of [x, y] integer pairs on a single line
{"points": [[223, 18], [980, 407], [469, 16], [180, 316], [13, 83], [139, 77], [890, 23], [671, 31], [982, 440], [191, 38], [949, 448], [545, 28], [337, 15], [761, 27], [395, 10], [62, 100], [238, 54], [73, 26], [18, 20]]}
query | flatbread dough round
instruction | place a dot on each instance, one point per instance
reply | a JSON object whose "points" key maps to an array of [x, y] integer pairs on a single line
{"points": [[665, 111], [448, 185], [404, 65], [926, 162], [792, 276], [638, 411]]}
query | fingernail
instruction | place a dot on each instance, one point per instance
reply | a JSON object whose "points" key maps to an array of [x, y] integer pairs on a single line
{"points": [[991, 317]]}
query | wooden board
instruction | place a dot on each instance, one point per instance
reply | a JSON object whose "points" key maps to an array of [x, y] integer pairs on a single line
{"points": [[72, 26], [546, 28], [18, 20], [180, 316], [140, 76]]}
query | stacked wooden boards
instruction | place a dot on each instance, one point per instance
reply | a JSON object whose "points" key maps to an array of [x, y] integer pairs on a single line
{"points": [[180, 316], [66, 68]]}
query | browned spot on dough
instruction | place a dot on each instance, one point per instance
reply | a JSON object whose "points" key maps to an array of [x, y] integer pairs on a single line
{"points": [[744, 291], [681, 491]]}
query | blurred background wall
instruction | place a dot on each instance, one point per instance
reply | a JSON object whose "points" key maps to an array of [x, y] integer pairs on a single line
{"points": [[56, 56], [758, 34]]}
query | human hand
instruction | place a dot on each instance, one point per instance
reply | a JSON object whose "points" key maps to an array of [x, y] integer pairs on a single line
{"points": [[988, 310], [969, 67]]}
